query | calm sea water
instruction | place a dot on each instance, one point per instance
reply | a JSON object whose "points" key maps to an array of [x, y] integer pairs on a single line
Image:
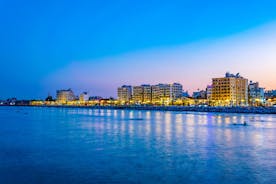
{"points": [[67, 145]]}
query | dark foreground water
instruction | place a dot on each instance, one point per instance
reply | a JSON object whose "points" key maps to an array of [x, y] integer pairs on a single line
{"points": [[63, 145]]}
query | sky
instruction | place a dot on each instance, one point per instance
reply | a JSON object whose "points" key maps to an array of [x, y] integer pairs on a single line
{"points": [[97, 45]]}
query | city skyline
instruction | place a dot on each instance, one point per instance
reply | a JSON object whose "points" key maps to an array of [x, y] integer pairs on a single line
{"points": [[118, 44]]}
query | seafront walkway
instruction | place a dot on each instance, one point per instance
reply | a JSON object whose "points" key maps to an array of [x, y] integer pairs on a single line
{"points": [[255, 110]]}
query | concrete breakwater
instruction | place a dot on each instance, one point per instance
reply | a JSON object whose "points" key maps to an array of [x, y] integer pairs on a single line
{"points": [[254, 110]]}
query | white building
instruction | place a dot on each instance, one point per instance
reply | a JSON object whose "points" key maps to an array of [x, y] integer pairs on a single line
{"points": [[176, 91], [64, 96], [84, 97], [256, 94]]}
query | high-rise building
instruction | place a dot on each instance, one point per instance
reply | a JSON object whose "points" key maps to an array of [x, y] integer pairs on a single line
{"points": [[124, 93], [176, 91], [165, 91], [231, 90], [161, 93], [142, 94], [255, 94], [146, 93], [138, 93], [64, 96], [156, 94]]}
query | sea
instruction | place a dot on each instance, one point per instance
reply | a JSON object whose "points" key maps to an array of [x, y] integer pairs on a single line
{"points": [[83, 145]]}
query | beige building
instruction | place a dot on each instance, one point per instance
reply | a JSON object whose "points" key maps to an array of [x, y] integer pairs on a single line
{"points": [[231, 90]]}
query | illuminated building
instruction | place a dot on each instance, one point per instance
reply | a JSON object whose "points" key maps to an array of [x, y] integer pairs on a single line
{"points": [[138, 93], [124, 93], [270, 97], [161, 93], [256, 94], [270, 94], [84, 97], [64, 96], [200, 94], [176, 91], [271, 101], [185, 94], [209, 93], [231, 90], [146, 93], [37, 102], [155, 94]]}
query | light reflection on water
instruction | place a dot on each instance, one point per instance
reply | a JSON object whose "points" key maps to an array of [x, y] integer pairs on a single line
{"points": [[61, 145]]}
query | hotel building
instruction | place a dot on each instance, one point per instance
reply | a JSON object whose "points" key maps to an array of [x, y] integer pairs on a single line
{"points": [[231, 90]]}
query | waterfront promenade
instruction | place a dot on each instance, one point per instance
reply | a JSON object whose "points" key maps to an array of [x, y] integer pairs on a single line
{"points": [[254, 110]]}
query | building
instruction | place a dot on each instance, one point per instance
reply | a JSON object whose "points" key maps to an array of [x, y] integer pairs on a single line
{"points": [[142, 94], [270, 98], [64, 96], [209, 92], [270, 94], [200, 94], [95, 98], [124, 93], [155, 94], [176, 91], [49, 98], [161, 94], [138, 94], [231, 90], [147, 94], [271, 101], [84, 97], [255, 94], [185, 94]]}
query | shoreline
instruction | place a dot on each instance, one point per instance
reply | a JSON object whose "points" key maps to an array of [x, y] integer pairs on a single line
{"points": [[247, 110]]}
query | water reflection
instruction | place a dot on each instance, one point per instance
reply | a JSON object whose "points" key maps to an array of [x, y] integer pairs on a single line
{"points": [[109, 146], [169, 128]]}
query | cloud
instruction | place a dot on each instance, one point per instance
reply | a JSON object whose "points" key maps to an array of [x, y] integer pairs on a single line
{"points": [[251, 53]]}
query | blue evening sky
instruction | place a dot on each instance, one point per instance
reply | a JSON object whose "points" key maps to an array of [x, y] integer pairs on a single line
{"points": [[39, 38]]}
